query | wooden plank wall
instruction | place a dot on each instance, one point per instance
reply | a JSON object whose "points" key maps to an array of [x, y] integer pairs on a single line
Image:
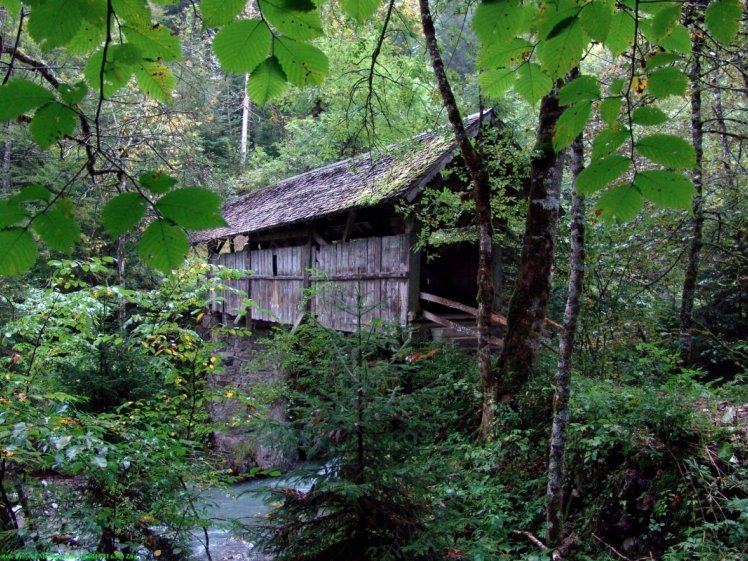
{"points": [[370, 274]]}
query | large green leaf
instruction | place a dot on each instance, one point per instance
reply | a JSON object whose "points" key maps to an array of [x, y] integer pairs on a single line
{"points": [[607, 141], [497, 21], [619, 204], [19, 95], [192, 207], [54, 23], [155, 79], [33, 192], [723, 19], [496, 82], [72, 95], [156, 181], [297, 19], [601, 173], [679, 40], [532, 82], [664, 21], [163, 246], [302, 63], [267, 81], [242, 45], [154, 42], [122, 213], [609, 109], [666, 188], [13, 6], [360, 9], [657, 59], [667, 150], [89, 37], [11, 214], [17, 252], [52, 123], [136, 13], [220, 12], [665, 82], [508, 53], [560, 53], [582, 88], [121, 60], [621, 34], [57, 226], [571, 124], [596, 18], [648, 116]]}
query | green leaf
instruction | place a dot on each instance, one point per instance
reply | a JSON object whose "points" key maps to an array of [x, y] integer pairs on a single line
{"points": [[194, 208], [12, 6], [610, 108], [497, 21], [302, 63], [607, 141], [496, 82], [11, 214], [620, 204], [571, 124], [602, 172], [220, 12], [156, 181], [57, 226], [155, 42], [666, 188], [512, 52], [242, 45], [163, 246], [52, 123], [596, 18], [19, 95], [134, 12], [661, 59], [679, 40], [18, 252], [99, 462], [648, 116], [723, 19], [285, 15], [621, 34], [89, 37], [562, 52], [122, 213], [532, 82], [665, 82], [119, 67], [582, 88], [72, 95], [267, 81], [664, 21], [34, 192], [667, 150], [616, 86], [49, 27], [156, 80], [360, 9]]}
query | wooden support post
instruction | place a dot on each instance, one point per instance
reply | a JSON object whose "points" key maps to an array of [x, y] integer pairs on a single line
{"points": [[414, 270]]}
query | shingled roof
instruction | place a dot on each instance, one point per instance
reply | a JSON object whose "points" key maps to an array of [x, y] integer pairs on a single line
{"points": [[347, 185]]}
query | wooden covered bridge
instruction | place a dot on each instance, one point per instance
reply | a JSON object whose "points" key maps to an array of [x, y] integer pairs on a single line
{"points": [[339, 230]]}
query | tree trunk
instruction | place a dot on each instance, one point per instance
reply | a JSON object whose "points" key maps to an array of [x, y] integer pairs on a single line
{"points": [[245, 125], [694, 251], [719, 114], [528, 303], [560, 424], [7, 151], [482, 197]]}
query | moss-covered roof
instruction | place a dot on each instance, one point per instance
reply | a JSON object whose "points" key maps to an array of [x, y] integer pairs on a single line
{"points": [[359, 182]]}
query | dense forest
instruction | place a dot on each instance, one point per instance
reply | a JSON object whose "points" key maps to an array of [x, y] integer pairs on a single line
{"points": [[612, 198]]}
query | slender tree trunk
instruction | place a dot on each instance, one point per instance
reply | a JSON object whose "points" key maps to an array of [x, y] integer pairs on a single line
{"points": [[694, 250], [719, 114], [556, 465], [530, 298], [245, 125], [482, 196], [7, 151]]}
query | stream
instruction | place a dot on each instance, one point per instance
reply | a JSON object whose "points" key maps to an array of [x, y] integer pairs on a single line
{"points": [[243, 502]]}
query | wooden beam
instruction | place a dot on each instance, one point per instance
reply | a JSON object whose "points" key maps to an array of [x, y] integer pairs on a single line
{"points": [[349, 221], [471, 331], [496, 318]]}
